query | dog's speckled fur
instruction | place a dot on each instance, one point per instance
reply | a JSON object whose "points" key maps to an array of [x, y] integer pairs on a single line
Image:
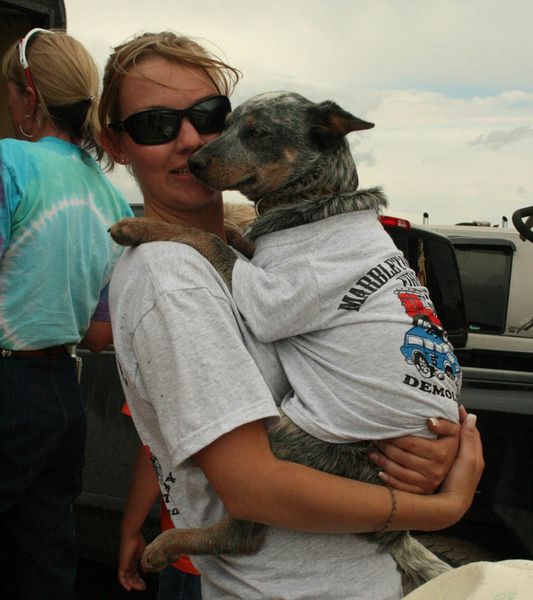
{"points": [[290, 157]]}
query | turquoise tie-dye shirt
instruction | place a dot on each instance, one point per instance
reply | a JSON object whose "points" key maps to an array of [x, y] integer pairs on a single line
{"points": [[56, 255]]}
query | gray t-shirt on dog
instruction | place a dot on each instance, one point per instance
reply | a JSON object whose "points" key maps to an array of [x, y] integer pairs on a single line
{"points": [[356, 333], [185, 360]]}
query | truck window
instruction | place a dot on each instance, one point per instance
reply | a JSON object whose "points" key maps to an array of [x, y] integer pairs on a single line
{"points": [[485, 273]]}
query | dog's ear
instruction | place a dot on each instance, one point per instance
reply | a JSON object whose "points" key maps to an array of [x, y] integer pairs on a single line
{"points": [[330, 123]]}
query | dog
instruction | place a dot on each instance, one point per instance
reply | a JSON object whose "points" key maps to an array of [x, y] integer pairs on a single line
{"points": [[290, 157]]}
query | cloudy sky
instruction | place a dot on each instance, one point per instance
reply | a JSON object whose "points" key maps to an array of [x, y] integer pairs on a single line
{"points": [[448, 83]]}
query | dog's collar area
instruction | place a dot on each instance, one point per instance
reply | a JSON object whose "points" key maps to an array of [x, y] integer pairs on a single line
{"points": [[308, 210]]}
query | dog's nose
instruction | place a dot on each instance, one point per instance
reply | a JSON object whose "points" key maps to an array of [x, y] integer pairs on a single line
{"points": [[197, 164]]}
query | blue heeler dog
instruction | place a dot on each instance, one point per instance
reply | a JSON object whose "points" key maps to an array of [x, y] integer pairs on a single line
{"points": [[290, 157]]}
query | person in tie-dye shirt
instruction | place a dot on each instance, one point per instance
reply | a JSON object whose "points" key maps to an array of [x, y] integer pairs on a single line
{"points": [[56, 259]]}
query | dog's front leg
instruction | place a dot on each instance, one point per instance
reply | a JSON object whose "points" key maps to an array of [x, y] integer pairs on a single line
{"points": [[240, 243], [228, 536], [135, 231]]}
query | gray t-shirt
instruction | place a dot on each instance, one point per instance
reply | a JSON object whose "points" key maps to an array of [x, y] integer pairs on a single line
{"points": [[356, 333], [185, 359]]}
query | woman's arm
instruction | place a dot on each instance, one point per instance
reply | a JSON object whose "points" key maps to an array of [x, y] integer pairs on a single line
{"points": [[143, 492], [254, 485], [98, 336]]}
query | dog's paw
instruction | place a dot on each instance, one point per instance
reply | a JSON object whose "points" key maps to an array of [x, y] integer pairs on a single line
{"points": [[132, 231], [157, 555]]}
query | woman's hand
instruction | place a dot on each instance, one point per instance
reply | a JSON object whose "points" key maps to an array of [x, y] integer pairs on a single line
{"points": [[131, 549], [457, 491], [419, 465], [449, 504], [462, 480]]}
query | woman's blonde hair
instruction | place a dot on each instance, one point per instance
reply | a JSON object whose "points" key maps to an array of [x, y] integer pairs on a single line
{"points": [[169, 45], [66, 83]]}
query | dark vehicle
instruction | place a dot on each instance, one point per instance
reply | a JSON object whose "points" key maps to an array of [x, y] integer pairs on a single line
{"points": [[432, 258]]}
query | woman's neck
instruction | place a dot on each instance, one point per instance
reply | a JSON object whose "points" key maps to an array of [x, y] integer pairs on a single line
{"points": [[48, 129]]}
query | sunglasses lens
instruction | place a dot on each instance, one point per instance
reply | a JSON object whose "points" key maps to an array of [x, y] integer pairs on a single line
{"points": [[153, 127], [209, 115], [159, 126]]}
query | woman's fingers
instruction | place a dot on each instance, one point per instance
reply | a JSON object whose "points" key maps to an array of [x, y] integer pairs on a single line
{"points": [[400, 469], [416, 462], [467, 469]]}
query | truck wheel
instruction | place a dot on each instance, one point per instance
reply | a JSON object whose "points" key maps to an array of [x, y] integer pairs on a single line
{"points": [[455, 551]]}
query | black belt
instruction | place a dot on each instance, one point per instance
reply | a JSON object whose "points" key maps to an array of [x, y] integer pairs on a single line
{"points": [[52, 352]]}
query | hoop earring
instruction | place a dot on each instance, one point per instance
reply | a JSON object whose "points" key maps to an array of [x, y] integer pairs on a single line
{"points": [[29, 135], [256, 206]]}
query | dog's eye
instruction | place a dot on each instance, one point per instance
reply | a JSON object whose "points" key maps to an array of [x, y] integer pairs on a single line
{"points": [[256, 133]]}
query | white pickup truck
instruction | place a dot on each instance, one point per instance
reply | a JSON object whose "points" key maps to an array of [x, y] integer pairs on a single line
{"points": [[496, 268], [496, 272]]}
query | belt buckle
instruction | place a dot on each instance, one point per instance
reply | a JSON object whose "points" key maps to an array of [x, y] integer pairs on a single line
{"points": [[6, 353]]}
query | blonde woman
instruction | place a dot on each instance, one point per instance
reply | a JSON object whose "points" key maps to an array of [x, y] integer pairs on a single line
{"points": [[55, 263], [202, 391]]}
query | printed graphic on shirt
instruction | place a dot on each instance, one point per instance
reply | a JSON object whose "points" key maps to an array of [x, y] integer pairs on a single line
{"points": [[393, 267], [425, 346], [165, 483]]}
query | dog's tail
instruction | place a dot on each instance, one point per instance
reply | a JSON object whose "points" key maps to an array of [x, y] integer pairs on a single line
{"points": [[415, 561]]}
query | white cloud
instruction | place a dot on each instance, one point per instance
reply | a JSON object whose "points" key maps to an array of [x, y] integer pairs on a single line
{"points": [[426, 160], [503, 137], [445, 81]]}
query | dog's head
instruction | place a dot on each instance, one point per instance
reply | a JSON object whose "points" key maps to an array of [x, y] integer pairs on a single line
{"points": [[275, 142]]}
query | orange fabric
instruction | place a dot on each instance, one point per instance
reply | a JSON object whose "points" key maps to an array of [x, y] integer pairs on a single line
{"points": [[184, 562]]}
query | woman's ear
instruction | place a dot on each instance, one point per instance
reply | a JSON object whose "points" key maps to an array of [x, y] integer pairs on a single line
{"points": [[111, 141], [30, 101]]}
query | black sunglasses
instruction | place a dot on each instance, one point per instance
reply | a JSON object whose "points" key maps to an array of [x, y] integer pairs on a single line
{"points": [[162, 125]]}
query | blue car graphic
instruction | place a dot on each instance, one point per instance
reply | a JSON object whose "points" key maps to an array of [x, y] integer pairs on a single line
{"points": [[431, 355]]}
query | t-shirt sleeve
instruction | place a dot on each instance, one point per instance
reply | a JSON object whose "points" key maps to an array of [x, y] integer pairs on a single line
{"points": [[200, 379], [10, 198], [277, 303], [102, 308]]}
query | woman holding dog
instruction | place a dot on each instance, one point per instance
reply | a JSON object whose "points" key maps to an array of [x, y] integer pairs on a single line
{"points": [[55, 262], [202, 391]]}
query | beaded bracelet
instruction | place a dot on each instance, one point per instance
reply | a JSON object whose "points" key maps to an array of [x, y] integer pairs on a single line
{"points": [[392, 512]]}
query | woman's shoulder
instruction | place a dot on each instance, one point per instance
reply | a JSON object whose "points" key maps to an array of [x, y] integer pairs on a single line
{"points": [[22, 153], [172, 266], [11, 148]]}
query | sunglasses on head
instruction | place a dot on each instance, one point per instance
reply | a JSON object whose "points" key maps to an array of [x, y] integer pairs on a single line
{"points": [[162, 125], [22, 45]]}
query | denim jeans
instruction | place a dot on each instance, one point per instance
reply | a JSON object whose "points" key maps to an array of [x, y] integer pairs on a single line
{"points": [[178, 585], [42, 444]]}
